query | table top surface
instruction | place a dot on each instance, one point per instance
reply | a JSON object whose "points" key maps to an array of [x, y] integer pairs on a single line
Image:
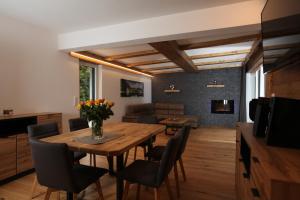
{"points": [[133, 134], [175, 121]]}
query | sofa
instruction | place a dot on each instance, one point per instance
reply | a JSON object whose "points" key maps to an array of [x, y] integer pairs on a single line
{"points": [[159, 110]]}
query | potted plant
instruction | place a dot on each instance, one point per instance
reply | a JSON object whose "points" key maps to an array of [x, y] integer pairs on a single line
{"points": [[95, 111]]}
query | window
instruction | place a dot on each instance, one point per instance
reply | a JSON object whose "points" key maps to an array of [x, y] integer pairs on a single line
{"points": [[87, 73]]}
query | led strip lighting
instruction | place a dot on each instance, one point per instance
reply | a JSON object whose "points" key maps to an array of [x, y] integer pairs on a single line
{"points": [[103, 62]]}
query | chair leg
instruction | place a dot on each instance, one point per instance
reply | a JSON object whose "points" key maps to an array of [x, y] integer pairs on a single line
{"points": [[169, 188], [58, 195], [182, 169], [138, 191], [176, 179], [94, 159], [99, 190], [74, 196], [126, 190], [135, 151], [145, 151], [126, 158], [48, 194], [156, 194], [91, 159], [34, 184]]}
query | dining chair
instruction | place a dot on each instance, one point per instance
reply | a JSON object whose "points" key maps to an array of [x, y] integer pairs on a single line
{"points": [[146, 119], [55, 169], [80, 123], [150, 173], [156, 153]]}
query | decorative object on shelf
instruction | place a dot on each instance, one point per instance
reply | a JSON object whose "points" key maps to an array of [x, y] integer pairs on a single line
{"points": [[8, 112], [171, 89], [215, 84], [95, 111]]}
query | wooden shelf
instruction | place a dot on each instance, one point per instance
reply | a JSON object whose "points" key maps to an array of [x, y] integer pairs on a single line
{"points": [[171, 91], [215, 86]]}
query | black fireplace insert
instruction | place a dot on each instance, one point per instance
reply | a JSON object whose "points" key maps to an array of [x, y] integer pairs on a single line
{"points": [[222, 106]]}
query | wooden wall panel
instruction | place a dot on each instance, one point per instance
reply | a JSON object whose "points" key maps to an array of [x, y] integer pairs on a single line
{"points": [[284, 83], [8, 155]]}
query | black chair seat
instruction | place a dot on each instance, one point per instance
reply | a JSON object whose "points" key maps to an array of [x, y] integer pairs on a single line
{"points": [[156, 153], [85, 175], [79, 155], [141, 172]]}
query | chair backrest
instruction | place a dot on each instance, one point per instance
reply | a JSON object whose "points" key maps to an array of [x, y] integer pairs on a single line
{"points": [[78, 123], [53, 165], [169, 157], [185, 136], [147, 119], [42, 130]]}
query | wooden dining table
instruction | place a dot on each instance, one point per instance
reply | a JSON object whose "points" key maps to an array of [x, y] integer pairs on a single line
{"points": [[132, 135]]}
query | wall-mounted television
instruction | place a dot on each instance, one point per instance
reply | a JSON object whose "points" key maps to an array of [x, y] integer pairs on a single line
{"points": [[132, 88], [281, 34]]}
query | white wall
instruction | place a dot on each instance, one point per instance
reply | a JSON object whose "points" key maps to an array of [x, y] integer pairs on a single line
{"points": [[34, 75], [110, 88]]}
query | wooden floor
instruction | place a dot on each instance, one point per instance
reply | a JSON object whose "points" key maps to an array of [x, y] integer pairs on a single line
{"points": [[209, 163]]}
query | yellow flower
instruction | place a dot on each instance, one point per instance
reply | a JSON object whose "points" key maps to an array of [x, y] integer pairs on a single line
{"points": [[110, 103], [88, 103], [97, 102], [78, 106]]}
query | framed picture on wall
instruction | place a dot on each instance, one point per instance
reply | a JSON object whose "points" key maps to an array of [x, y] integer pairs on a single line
{"points": [[132, 88]]}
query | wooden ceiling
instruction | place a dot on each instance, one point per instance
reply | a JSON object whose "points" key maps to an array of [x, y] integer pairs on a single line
{"points": [[180, 56]]}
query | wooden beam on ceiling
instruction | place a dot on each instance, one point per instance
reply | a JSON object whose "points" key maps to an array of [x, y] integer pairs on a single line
{"points": [[220, 42], [221, 54], [281, 46], [95, 56], [151, 62], [132, 55], [158, 68], [170, 49], [218, 67], [254, 48], [219, 62], [167, 72]]}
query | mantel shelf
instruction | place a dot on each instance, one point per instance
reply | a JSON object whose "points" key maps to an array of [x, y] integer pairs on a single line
{"points": [[215, 86], [171, 91]]}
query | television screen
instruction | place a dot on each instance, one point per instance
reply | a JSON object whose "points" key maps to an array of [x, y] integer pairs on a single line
{"points": [[131, 88], [281, 34]]}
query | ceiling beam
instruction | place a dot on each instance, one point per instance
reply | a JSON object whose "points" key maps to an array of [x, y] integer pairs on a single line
{"points": [[218, 67], [281, 46], [158, 68], [221, 54], [254, 48], [220, 42], [219, 62], [170, 49], [131, 55], [91, 57], [151, 62], [168, 72]]}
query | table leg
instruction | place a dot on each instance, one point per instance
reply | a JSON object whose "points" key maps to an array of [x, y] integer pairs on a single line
{"points": [[110, 160], [120, 184], [69, 196]]}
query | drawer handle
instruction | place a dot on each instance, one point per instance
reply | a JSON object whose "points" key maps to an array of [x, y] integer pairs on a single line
{"points": [[255, 159], [255, 192]]}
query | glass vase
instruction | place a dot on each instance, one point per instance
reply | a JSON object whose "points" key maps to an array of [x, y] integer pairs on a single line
{"points": [[97, 130]]}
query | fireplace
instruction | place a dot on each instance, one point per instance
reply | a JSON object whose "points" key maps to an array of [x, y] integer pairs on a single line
{"points": [[222, 106]]}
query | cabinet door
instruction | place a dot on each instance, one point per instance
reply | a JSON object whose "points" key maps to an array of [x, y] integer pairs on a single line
{"points": [[8, 153], [24, 160], [47, 118]]}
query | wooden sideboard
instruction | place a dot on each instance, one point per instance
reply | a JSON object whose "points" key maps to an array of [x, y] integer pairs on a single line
{"points": [[15, 151], [265, 172]]}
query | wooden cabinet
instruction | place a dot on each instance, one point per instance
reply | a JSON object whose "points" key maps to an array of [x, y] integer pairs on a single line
{"points": [[24, 161], [15, 151], [265, 172], [8, 166], [51, 117]]}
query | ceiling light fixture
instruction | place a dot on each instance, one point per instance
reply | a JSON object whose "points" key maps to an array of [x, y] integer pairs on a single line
{"points": [[103, 62]]}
